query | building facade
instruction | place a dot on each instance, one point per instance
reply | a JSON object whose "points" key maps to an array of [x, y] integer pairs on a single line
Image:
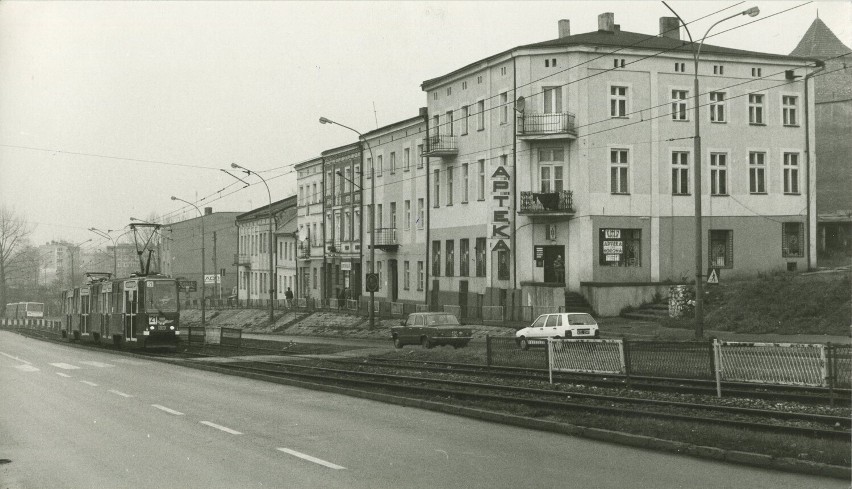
{"points": [[253, 249], [310, 246], [286, 261]]}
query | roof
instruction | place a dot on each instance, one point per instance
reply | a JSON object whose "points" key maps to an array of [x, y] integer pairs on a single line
{"points": [[261, 212], [625, 39], [820, 42], [421, 117]]}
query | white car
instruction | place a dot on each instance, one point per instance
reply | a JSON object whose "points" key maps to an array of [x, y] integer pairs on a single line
{"points": [[559, 325]]}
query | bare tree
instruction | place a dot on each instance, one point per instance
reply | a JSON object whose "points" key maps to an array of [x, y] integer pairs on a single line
{"points": [[14, 231]]}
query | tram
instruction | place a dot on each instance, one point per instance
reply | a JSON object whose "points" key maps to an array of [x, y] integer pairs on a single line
{"points": [[25, 310], [141, 309]]}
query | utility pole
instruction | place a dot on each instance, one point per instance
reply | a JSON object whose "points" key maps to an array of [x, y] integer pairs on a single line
{"points": [[216, 269]]}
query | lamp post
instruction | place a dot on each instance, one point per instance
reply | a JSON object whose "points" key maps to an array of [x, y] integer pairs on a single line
{"points": [[324, 120], [105, 234], [696, 53], [203, 281], [271, 244]]}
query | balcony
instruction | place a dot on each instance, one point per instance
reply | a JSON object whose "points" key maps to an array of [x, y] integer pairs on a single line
{"points": [[547, 204], [559, 125], [242, 260], [441, 145], [386, 239], [304, 250]]}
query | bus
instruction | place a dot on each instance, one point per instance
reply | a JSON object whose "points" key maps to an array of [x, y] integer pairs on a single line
{"points": [[25, 310]]}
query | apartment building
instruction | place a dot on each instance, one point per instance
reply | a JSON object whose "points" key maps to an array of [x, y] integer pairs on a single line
{"points": [[286, 260], [399, 180], [568, 166], [342, 225], [254, 252], [310, 248]]}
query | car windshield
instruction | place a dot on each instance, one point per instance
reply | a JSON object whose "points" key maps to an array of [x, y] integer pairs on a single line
{"points": [[440, 319], [581, 319]]}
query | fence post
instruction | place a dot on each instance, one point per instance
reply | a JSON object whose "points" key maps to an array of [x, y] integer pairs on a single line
{"points": [[832, 372], [717, 357], [823, 365], [488, 350], [549, 356], [625, 352]]}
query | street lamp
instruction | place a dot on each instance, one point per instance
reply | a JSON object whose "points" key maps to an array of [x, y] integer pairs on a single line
{"points": [[271, 243], [105, 234], [203, 281], [324, 120], [696, 52]]}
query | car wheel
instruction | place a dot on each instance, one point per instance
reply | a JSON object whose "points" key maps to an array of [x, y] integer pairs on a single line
{"points": [[397, 343], [426, 342], [524, 344]]}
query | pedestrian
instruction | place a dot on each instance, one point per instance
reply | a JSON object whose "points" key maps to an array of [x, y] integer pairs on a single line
{"points": [[559, 268], [341, 298], [288, 296]]}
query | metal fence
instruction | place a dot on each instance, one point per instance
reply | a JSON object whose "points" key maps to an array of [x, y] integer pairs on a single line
{"points": [[587, 356], [504, 351], [772, 363], [682, 359]]}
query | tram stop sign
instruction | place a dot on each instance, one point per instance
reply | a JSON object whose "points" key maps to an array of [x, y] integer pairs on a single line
{"points": [[372, 282]]}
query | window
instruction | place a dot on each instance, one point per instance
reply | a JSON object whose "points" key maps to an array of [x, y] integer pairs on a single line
{"points": [[550, 169], [420, 216], [419, 156], [449, 90], [464, 85], [379, 166], [618, 63], [406, 159], [504, 108], [315, 281], [406, 275], [451, 265], [718, 174], [480, 115], [680, 67], [369, 168], [436, 258], [393, 215], [464, 120], [464, 257], [680, 173], [757, 72], [436, 126], [552, 100], [755, 108], [679, 105], [620, 247], [479, 80], [434, 95], [717, 107], [379, 267], [503, 70], [348, 226], [407, 215], [449, 123], [721, 250], [449, 185], [757, 172], [618, 101], [788, 110], [718, 69], [465, 179], [421, 276], [791, 239], [357, 225], [392, 162], [480, 257], [791, 173], [437, 184], [503, 265], [618, 171], [481, 188]]}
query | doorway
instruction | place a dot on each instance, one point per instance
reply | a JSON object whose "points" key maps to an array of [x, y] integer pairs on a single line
{"points": [[394, 280], [554, 264]]}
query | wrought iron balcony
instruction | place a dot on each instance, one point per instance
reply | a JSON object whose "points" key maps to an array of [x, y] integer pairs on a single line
{"points": [[242, 260], [441, 145], [560, 125], [304, 250], [547, 203], [386, 239]]}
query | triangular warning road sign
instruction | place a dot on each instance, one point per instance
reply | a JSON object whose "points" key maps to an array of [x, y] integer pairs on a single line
{"points": [[713, 278]]}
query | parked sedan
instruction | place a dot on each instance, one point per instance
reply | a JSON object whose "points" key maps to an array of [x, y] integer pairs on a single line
{"points": [[430, 329], [559, 325]]}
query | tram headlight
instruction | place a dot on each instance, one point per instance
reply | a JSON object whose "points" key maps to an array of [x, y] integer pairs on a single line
{"points": [[152, 328], [172, 328]]}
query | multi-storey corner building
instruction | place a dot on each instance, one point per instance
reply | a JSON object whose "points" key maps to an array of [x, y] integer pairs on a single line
{"points": [[341, 233], [399, 181], [253, 250], [310, 250], [180, 253], [568, 165]]}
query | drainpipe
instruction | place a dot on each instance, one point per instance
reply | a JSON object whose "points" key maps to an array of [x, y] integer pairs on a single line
{"points": [[820, 65], [428, 261]]}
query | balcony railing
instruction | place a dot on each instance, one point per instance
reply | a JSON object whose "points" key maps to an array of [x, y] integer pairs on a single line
{"points": [[304, 251], [547, 203], [561, 124], [386, 238], [242, 260], [441, 145]]}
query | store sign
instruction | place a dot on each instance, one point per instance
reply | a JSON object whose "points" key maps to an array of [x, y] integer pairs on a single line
{"points": [[613, 247], [501, 195], [539, 252], [612, 233], [129, 285], [346, 266], [210, 279]]}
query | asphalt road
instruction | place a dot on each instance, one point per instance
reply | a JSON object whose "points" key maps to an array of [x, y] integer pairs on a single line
{"points": [[72, 418]]}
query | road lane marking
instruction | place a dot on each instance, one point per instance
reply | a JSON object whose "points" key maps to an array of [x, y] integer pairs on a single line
{"points": [[88, 383], [119, 393], [312, 459], [97, 364], [27, 368], [15, 358], [65, 366], [63, 375], [220, 427], [170, 411]]}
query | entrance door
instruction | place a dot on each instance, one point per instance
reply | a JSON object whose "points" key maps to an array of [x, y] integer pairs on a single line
{"points": [[131, 307], [554, 264], [394, 280], [433, 298]]}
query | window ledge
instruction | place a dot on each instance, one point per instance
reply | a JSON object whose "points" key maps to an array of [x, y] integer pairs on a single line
{"points": [[619, 193], [681, 195], [792, 193], [718, 122], [680, 120], [619, 117], [720, 195], [758, 193], [756, 124], [792, 125]]}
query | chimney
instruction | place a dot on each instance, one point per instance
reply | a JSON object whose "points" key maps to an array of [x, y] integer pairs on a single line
{"points": [[606, 22], [670, 27], [564, 28], [208, 211]]}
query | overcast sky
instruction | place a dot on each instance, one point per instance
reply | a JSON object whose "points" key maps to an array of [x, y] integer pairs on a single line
{"points": [[109, 108]]}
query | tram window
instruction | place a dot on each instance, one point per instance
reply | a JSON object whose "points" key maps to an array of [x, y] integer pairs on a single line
{"points": [[162, 297]]}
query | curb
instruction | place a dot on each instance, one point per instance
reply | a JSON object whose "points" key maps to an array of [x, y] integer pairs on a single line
{"points": [[599, 434]]}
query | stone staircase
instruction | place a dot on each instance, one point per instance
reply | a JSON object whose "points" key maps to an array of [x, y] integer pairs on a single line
{"points": [[649, 312], [575, 302]]}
